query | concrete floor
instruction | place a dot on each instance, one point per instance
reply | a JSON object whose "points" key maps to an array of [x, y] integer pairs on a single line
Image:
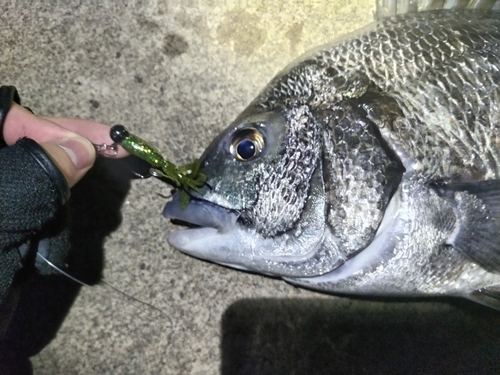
{"points": [[176, 75]]}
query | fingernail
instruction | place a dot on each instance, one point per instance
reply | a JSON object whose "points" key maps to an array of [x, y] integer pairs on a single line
{"points": [[79, 150]]}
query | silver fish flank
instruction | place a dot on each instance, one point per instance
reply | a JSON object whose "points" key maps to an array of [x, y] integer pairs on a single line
{"points": [[369, 167]]}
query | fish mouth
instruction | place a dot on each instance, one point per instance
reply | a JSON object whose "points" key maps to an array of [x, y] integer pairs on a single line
{"points": [[208, 225], [201, 214], [204, 221], [214, 233]]}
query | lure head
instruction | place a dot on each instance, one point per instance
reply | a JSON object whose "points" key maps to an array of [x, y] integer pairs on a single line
{"points": [[118, 133]]}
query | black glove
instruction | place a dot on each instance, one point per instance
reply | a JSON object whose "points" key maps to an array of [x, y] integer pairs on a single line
{"points": [[32, 191]]}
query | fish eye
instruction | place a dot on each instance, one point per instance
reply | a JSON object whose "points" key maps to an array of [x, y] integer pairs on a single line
{"points": [[246, 144]]}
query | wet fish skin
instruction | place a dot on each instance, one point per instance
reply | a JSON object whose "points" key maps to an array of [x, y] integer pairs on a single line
{"points": [[381, 166]]}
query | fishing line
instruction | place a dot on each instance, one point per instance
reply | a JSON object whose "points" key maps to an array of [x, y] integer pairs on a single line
{"points": [[127, 296]]}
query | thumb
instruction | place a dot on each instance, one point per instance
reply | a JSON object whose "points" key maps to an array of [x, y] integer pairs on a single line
{"points": [[73, 156]]}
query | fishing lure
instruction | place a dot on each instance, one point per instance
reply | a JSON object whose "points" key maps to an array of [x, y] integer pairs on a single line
{"points": [[185, 177]]}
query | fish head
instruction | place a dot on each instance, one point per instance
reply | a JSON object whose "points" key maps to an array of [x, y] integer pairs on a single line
{"points": [[262, 208], [300, 180]]}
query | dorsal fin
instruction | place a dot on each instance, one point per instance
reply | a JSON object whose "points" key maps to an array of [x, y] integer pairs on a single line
{"points": [[389, 8]]}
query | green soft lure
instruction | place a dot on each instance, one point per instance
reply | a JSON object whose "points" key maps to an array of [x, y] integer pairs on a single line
{"points": [[185, 177]]}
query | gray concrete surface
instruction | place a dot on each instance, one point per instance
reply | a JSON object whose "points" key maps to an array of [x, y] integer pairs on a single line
{"points": [[177, 72]]}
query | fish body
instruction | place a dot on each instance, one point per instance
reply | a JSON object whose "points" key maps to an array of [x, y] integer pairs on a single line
{"points": [[370, 166]]}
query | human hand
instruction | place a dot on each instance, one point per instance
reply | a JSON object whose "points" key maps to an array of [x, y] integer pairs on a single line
{"points": [[68, 142]]}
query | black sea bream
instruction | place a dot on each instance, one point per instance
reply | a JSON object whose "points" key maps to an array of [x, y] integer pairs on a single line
{"points": [[370, 166]]}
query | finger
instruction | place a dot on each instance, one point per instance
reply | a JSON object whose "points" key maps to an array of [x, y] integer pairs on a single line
{"points": [[20, 123], [73, 156], [96, 132]]}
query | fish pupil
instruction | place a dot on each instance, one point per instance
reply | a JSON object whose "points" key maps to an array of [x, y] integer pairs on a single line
{"points": [[246, 149]]}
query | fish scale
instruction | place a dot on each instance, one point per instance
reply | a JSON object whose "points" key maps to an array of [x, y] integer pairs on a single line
{"points": [[413, 96]]}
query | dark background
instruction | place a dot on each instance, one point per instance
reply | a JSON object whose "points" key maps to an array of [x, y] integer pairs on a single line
{"points": [[322, 336]]}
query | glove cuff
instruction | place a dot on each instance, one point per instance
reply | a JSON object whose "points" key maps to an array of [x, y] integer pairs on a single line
{"points": [[55, 175], [8, 95]]}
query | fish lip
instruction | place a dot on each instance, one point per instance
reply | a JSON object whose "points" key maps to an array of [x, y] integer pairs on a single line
{"points": [[211, 222], [201, 213]]}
